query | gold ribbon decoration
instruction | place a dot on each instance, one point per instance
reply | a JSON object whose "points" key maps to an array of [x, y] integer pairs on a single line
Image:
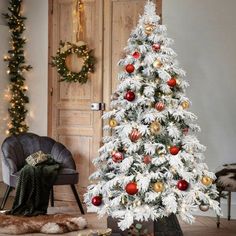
{"points": [[78, 20]]}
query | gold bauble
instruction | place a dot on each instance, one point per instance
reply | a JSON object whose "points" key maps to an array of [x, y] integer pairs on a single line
{"points": [[207, 181], [157, 64], [185, 104], [149, 29], [112, 123], [155, 127], [158, 187]]}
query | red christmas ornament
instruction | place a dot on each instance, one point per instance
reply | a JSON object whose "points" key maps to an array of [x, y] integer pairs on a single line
{"points": [[156, 46], [172, 82], [147, 159], [134, 135], [130, 96], [136, 55], [131, 188], [174, 150], [182, 185], [97, 200], [130, 68], [185, 131], [117, 157], [160, 106]]}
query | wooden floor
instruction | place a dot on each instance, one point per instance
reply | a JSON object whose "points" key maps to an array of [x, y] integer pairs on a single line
{"points": [[204, 226]]}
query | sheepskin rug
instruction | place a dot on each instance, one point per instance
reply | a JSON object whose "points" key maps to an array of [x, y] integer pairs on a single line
{"points": [[226, 176], [47, 224]]}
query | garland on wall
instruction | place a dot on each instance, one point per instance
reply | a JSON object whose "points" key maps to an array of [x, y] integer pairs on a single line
{"points": [[16, 68]]}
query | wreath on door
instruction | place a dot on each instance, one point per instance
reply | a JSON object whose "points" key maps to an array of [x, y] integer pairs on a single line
{"points": [[60, 61]]}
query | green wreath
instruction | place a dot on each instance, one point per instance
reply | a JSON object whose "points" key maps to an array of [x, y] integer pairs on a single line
{"points": [[80, 49]]}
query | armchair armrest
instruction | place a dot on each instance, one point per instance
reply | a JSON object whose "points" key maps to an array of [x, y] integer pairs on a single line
{"points": [[9, 164]]}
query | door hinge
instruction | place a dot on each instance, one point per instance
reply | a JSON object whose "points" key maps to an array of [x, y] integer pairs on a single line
{"points": [[51, 7], [98, 106], [51, 91]]}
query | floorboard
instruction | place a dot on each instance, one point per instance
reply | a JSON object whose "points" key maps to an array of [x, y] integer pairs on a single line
{"points": [[204, 226]]}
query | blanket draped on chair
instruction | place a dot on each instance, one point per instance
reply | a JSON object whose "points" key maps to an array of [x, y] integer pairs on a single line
{"points": [[33, 188]]}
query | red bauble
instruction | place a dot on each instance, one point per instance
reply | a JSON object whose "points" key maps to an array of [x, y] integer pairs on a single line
{"points": [[130, 68], [136, 55], [182, 185], [97, 200], [147, 159], [131, 188], [134, 135], [174, 150], [160, 106], [130, 96], [117, 157], [172, 82], [156, 46]]}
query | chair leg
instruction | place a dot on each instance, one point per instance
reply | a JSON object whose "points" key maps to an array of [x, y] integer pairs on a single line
{"points": [[52, 197], [77, 198], [229, 205], [6, 195], [218, 217]]}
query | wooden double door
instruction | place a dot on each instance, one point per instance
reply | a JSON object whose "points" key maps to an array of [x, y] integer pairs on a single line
{"points": [[107, 25]]}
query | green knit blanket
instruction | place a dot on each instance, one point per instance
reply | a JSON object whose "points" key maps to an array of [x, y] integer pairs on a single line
{"points": [[33, 188]]}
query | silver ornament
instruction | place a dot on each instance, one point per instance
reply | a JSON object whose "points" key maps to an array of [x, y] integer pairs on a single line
{"points": [[204, 207]]}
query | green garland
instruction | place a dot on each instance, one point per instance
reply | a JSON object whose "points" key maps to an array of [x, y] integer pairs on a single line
{"points": [[16, 68], [59, 61]]}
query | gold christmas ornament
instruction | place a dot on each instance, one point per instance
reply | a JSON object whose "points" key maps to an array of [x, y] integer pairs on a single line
{"points": [[158, 187], [207, 181], [112, 123], [185, 104], [155, 127], [157, 64], [204, 207], [149, 28]]}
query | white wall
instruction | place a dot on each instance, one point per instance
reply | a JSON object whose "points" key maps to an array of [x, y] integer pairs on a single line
{"points": [[3, 86], [37, 55], [205, 36]]}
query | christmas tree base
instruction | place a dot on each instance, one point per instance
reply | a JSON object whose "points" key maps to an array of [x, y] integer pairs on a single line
{"points": [[167, 226]]}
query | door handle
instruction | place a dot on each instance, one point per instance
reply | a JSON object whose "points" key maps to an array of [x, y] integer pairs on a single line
{"points": [[97, 106]]}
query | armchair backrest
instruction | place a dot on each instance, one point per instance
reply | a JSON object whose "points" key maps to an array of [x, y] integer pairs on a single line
{"points": [[17, 148]]}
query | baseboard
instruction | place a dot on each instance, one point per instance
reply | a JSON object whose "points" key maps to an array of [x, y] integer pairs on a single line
{"points": [[224, 208]]}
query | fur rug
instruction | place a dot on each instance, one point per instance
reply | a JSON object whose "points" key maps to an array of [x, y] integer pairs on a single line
{"points": [[47, 224], [226, 176]]}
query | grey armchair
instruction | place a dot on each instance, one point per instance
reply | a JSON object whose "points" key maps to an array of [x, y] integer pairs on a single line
{"points": [[17, 148]]}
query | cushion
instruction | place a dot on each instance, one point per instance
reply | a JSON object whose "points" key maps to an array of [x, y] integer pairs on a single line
{"points": [[36, 158]]}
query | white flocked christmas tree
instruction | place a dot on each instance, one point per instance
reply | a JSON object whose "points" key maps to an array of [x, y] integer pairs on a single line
{"points": [[151, 165]]}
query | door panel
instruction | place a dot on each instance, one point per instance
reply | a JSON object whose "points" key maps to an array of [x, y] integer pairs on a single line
{"points": [[121, 16], [72, 121]]}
